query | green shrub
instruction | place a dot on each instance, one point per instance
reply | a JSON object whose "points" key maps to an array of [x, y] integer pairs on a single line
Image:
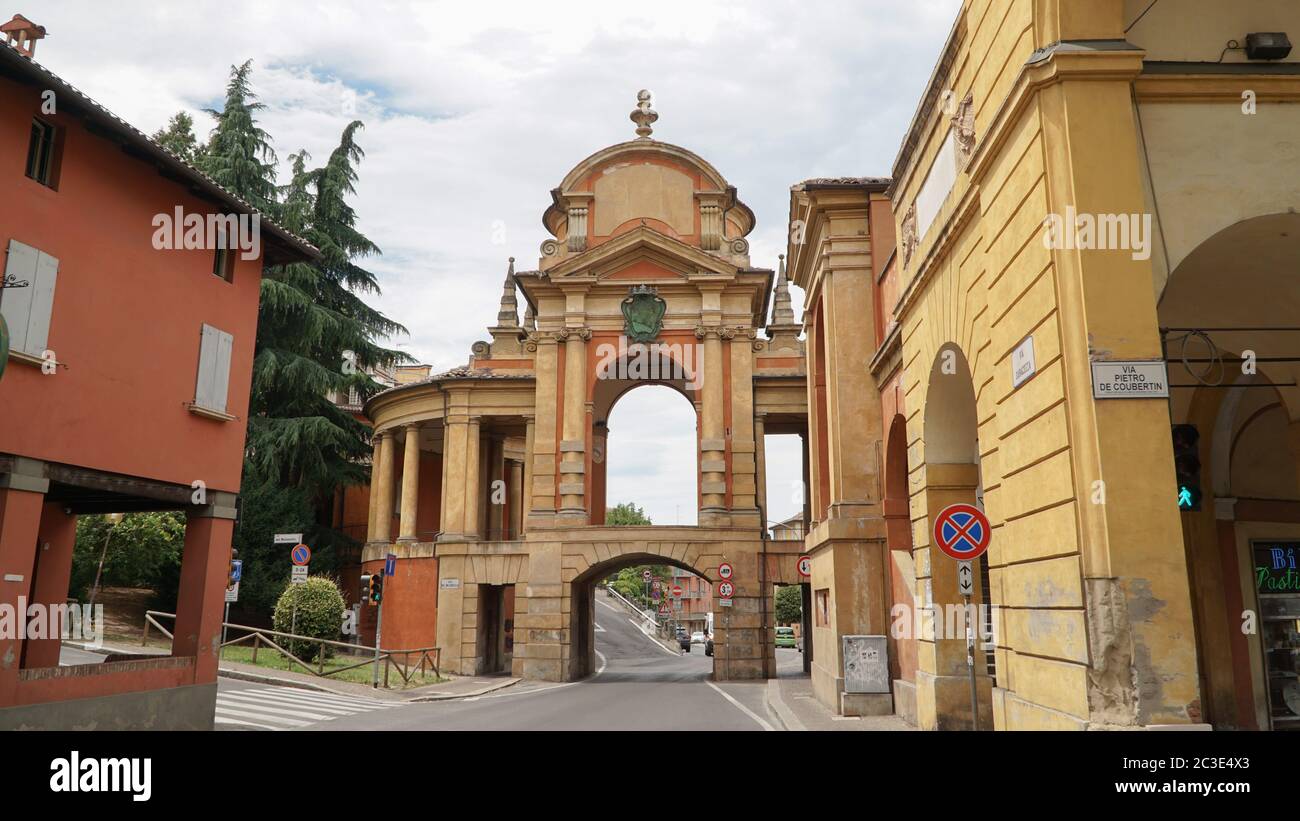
{"points": [[319, 605]]}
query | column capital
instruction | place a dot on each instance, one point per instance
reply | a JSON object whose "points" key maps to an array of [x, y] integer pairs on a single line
{"points": [[579, 332]]}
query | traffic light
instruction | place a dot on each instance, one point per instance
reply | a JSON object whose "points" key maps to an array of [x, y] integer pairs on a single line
{"points": [[376, 588], [1187, 466], [365, 588]]}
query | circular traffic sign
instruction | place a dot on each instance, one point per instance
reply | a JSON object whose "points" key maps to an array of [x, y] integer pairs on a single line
{"points": [[726, 590], [677, 591], [962, 531], [725, 571], [805, 566], [646, 575], [300, 555]]}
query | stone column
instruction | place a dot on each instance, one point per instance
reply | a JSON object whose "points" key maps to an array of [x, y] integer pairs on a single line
{"points": [[526, 489], [573, 444], [384, 504], [472, 487], [713, 444], [410, 485], [372, 524], [599, 464], [50, 577], [22, 494], [205, 568], [516, 484], [760, 463], [496, 500]]}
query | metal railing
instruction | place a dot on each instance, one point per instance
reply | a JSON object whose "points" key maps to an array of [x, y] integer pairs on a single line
{"points": [[427, 657]]}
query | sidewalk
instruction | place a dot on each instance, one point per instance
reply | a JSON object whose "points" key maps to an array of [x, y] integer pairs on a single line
{"points": [[793, 702], [455, 687]]}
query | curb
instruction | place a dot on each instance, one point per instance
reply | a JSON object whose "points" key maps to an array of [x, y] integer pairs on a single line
{"points": [[784, 714], [260, 678], [494, 686]]}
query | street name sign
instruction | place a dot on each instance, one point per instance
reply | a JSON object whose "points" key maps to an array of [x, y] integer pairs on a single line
{"points": [[1142, 379], [288, 538], [1022, 362]]}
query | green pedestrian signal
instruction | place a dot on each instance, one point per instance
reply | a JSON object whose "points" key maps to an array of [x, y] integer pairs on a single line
{"points": [[1187, 466]]}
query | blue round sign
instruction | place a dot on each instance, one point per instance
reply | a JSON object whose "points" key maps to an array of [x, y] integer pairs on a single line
{"points": [[300, 555]]}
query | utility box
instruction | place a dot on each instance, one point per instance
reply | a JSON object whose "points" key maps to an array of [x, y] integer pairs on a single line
{"points": [[866, 664]]}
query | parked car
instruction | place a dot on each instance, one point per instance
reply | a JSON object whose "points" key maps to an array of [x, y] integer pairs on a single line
{"points": [[708, 646], [697, 637], [785, 637]]}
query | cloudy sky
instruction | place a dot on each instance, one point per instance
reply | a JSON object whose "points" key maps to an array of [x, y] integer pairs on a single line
{"points": [[473, 111]]}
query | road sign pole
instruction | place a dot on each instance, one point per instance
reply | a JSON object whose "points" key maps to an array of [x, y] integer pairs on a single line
{"points": [[970, 662], [379, 623], [223, 630]]}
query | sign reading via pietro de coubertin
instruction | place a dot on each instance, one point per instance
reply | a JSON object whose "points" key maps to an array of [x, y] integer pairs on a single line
{"points": [[1142, 379]]}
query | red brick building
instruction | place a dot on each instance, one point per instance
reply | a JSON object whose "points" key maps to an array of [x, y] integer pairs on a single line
{"points": [[126, 387]]}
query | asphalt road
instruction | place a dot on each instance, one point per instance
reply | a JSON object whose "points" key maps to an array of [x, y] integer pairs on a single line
{"points": [[639, 685]]}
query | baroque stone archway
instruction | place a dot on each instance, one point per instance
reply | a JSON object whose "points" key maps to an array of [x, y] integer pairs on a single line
{"points": [[647, 248]]}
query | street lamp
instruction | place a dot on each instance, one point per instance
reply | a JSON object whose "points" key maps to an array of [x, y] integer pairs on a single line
{"points": [[116, 519]]}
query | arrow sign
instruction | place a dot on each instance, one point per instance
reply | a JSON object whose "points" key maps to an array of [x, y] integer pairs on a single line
{"points": [[965, 579]]}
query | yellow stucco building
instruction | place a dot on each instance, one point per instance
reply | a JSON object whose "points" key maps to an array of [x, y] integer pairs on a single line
{"points": [[1096, 212]]}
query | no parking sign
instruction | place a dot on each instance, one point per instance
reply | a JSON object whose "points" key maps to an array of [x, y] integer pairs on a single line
{"points": [[962, 531]]}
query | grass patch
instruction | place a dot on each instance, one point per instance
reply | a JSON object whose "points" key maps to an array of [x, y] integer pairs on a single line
{"points": [[272, 660]]}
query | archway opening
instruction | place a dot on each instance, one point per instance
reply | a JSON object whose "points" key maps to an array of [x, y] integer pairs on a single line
{"points": [[648, 451], [1228, 323], [952, 473], [636, 617]]}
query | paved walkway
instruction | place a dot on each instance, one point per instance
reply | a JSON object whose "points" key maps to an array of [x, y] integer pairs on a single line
{"points": [[793, 702]]}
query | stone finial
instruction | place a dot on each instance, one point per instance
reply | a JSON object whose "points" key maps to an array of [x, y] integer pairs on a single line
{"points": [[643, 115], [782, 312], [530, 319], [508, 316]]}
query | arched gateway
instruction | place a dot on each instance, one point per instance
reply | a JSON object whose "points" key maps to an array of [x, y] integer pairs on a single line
{"points": [[492, 476]]}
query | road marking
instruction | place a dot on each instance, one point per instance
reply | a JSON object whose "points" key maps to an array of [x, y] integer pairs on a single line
{"points": [[599, 629], [604, 662], [652, 639], [278, 708], [741, 707]]}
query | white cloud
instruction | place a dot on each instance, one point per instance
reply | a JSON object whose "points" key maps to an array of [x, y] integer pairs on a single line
{"points": [[474, 111]]}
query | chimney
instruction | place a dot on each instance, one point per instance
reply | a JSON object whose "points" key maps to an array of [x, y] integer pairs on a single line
{"points": [[22, 34]]}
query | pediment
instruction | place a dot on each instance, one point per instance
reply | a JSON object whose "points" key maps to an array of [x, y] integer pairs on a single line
{"points": [[642, 253]]}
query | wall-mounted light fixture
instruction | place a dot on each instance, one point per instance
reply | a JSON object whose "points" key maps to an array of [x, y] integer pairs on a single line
{"points": [[1267, 45]]}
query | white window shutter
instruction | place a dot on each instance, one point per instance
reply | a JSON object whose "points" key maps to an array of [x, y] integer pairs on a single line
{"points": [[16, 303], [213, 383], [221, 378], [38, 323]]}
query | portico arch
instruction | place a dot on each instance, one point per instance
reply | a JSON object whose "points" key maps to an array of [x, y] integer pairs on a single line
{"points": [[1228, 319], [952, 476]]}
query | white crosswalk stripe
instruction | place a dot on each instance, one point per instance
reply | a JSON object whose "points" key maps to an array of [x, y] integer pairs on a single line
{"points": [[284, 708]]}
